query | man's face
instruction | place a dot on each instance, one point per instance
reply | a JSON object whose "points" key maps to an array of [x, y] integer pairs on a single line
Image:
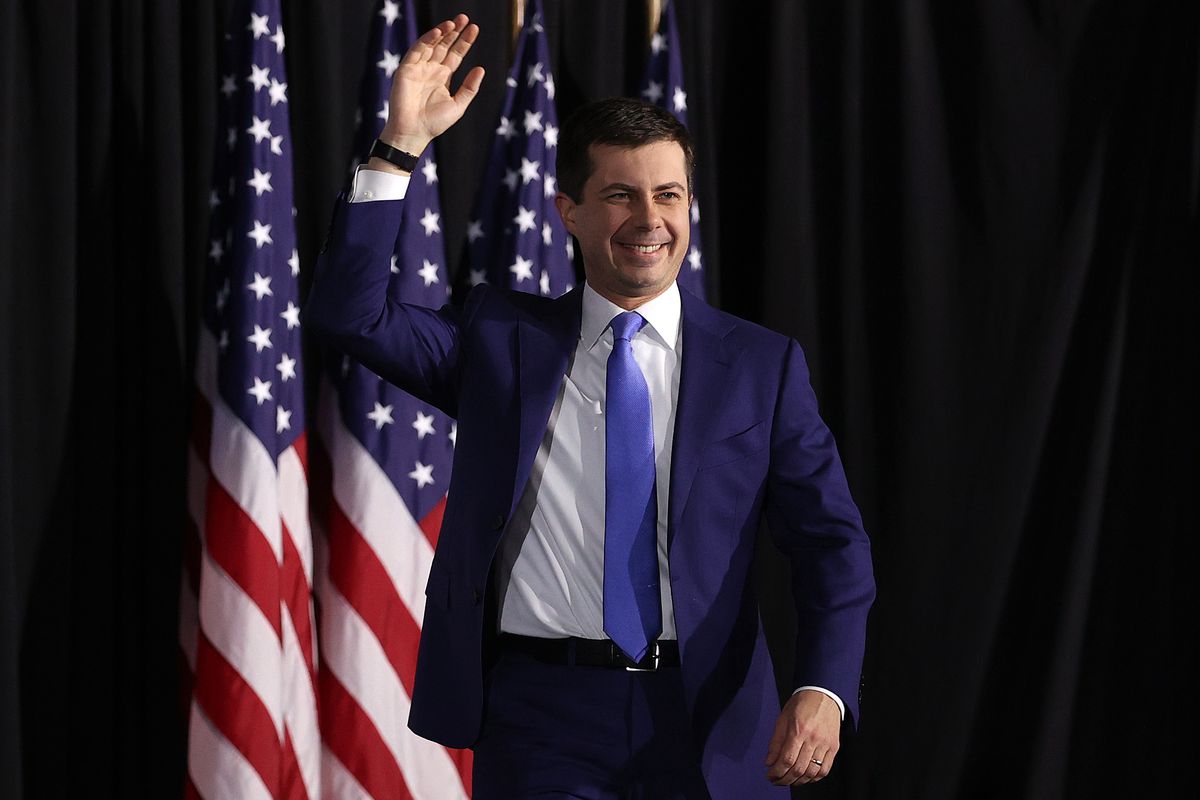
{"points": [[632, 221]]}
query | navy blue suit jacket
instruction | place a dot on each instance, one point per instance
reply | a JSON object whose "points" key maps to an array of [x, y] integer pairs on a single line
{"points": [[748, 443]]}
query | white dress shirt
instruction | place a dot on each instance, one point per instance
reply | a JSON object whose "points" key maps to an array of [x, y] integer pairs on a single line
{"points": [[551, 570]]}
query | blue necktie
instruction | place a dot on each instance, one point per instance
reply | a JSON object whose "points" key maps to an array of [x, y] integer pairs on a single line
{"points": [[632, 609]]}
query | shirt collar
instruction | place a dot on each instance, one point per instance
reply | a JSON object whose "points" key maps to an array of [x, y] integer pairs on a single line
{"points": [[662, 315]]}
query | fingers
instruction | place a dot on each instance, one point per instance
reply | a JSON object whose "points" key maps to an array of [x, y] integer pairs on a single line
{"points": [[470, 87], [427, 47], [458, 48]]}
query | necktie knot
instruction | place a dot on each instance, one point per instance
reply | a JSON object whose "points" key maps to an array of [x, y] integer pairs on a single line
{"points": [[626, 325]]}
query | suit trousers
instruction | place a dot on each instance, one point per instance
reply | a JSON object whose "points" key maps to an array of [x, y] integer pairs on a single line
{"points": [[591, 733]]}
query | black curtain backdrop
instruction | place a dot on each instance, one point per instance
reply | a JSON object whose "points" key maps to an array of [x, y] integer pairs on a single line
{"points": [[980, 218]]}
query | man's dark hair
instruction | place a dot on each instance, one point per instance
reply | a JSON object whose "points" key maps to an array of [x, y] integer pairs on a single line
{"points": [[617, 121]]}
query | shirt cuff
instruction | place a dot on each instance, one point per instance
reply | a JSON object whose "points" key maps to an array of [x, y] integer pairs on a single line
{"points": [[370, 185], [841, 706]]}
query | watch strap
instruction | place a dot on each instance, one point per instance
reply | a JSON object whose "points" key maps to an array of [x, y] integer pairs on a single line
{"points": [[394, 156]]}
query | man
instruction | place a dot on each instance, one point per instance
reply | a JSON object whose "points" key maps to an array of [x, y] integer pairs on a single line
{"points": [[591, 629]]}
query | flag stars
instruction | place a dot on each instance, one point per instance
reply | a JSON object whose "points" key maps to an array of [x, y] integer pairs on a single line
{"points": [[261, 182], [534, 74], [526, 219], [261, 235], [658, 43], [390, 12], [430, 222], [422, 474], [261, 286], [278, 92], [547, 234], [529, 170], [228, 85], [261, 390], [695, 212], [389, 63], [453, 433], [395, 266], [423, 425], [533, 122], [291, 315], [429, 170], [286, 367], [679, 100], [260, 129], [551, 136], [216, 251], [510, 179], [261, 338], [544, 283], [382, 113], [653, 92], [294, 262], [474, 230], [428, 272], [548, 187], [279, 39], [550, 86], [258, 25], [259, 76], [694, 259], [277, 144], [522, 269], [382, 415], [506, 129], [283, 419]]}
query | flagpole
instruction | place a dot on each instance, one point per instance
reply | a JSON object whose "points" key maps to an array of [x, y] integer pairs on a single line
{"points": [[653, 14], [518, 19]]}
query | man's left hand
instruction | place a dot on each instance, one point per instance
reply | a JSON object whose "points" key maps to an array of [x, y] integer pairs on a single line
{"points": [[806, 739]]}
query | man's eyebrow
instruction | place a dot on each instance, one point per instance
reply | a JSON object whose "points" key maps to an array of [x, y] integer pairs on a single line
{"points": [[626, 187]]}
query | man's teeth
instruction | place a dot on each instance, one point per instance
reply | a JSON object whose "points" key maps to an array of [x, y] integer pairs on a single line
{"points": [[645, 248]]}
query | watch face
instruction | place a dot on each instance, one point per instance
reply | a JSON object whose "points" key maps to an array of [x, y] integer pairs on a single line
{"points": [[399, 158]]}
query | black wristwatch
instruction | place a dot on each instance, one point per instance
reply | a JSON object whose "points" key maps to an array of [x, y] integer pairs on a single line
{"points": [[395, 157]]}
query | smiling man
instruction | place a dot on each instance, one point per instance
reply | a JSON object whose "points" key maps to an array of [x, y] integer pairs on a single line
{"points": [[591, 628]]}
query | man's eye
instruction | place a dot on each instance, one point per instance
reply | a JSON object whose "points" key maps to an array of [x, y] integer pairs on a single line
{"points": [[669, 196]]}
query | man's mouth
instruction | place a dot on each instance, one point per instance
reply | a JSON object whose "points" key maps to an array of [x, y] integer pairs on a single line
{"points": [[645, 248]]}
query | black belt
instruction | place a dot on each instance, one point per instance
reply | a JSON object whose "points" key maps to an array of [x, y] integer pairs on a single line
{"points": [[591, 652]]}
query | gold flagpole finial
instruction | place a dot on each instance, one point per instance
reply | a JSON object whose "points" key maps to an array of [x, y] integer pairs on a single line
{"points": [[653, 14], [518, 19]]}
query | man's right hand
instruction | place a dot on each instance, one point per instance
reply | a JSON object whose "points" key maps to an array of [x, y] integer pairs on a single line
{"points": [[420, 106]]}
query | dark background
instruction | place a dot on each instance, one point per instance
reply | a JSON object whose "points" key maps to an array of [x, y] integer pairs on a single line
{"points": [[980, 218]]}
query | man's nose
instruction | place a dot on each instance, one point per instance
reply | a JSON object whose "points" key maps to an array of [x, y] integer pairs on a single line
{"points": [[645, 214]]}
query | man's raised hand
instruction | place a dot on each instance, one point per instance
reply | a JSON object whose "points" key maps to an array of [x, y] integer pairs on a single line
{"points": [[420, 106]]}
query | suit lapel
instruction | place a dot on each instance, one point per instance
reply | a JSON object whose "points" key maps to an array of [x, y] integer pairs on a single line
{"points": [[706, 361], [545, 343]]}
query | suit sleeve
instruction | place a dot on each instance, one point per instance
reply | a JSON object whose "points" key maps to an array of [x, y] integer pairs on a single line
{"points": [[814, 520], [413, 347]]}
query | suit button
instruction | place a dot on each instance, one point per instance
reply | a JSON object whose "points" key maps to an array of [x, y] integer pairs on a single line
{"points": [[498, 522]]}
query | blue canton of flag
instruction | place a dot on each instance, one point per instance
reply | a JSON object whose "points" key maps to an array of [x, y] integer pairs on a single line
{"points": [[516, 238], [663, 86], [251, 289], [412, 441]]}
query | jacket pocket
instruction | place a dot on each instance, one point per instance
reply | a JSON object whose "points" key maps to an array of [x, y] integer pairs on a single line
{"points": [[740, 445]]}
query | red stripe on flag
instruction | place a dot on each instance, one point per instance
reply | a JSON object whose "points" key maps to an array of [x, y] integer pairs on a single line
{"points": [[358, 744], [190, 792], [300, 445], [361, 578], [431, 524], [291, 782], [237, 712], [239, 547], [296, 594]]}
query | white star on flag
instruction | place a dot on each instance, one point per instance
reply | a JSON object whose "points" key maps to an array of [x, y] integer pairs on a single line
{"points": [[430, 222], [474, 230], [382, 415], [390, 11], [261, 234], [294, 263], [259, 76], [286, 367], [389, 63], [258, 25], [428, 272], [551, 136], [657, 43], [505, 129], [260, 129], [278, 39], [533, 121], [261, 338], [534, 74], [261, 286], [278, 92], [680, 99], [261, 391], [261, 182], [291, 315], [423, 425], [653, 92], [694, 258], [522, 269], [525, 219], [430, 172], [529, 170], [422, 474], [283, 419], [228, 85]]}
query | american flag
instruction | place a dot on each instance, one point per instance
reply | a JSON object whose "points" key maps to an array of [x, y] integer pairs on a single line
{"points": [[663, 86], [380, 474], [247, 631], [515, 237]]}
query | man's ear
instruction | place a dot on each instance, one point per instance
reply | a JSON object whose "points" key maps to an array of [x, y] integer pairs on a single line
{"points": [[566, 209]]}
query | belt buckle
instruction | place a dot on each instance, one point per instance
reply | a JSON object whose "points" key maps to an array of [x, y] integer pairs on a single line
{"points": [[632, 666]]}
